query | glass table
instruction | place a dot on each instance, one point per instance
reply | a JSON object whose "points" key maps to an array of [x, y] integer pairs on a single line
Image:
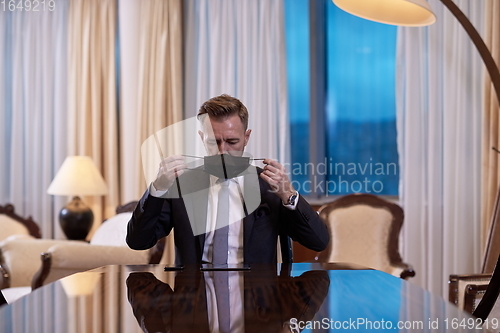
{"points": [[302, 297]]}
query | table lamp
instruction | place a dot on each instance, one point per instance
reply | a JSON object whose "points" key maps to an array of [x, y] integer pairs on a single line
{"points": [[419, 13], [78, 175]]}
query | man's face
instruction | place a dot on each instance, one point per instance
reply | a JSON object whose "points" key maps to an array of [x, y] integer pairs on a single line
{"points": [[227, 136]]}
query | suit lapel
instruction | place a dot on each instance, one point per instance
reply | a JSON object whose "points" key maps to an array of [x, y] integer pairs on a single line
{"points": [[252, 197], [194, 191]]}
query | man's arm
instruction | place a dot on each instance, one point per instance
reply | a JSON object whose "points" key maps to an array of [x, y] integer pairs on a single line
{"points": [[299, 221], [305, 226], [150, 221]]}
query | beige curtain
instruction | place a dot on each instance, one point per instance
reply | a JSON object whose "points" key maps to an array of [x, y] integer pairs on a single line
{"points": [[491, 138], [160, 68], [151, 80], [33, 109], [151, 84], [92, 109]]}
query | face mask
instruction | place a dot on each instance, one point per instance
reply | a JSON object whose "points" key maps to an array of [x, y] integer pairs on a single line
{"points": [[225, 166]]}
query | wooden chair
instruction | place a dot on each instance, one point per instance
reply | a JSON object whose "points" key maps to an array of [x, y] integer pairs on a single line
{"points": [[13, 224], [364, 229]]}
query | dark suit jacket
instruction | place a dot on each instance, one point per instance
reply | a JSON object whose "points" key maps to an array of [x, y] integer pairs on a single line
{"points": [[155, 217]]}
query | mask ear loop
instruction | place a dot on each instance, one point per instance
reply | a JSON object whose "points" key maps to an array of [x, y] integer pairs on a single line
{"points": [[253, 159], [162, 158]]}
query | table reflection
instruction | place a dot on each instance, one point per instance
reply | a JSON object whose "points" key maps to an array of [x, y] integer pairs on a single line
{"points": [[269, 300], [304, 297]]}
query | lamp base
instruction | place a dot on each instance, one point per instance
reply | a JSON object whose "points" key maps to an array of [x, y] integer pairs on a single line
{"points": [[76, 219]]}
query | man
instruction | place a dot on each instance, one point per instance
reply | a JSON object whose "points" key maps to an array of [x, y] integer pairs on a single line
{"points": [[187, 200]]}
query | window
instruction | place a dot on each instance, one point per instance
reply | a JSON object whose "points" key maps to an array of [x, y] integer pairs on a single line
{"points": [[359, 112]]}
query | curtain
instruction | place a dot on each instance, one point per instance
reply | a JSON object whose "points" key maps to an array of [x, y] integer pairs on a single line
{"points": [[238, 48], [33, 110], [439, 98], [33, 116], [151, 85], [92, 113], [491, 138]]}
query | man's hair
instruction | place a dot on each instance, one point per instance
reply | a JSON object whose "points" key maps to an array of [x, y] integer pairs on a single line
{"points": [[224, 106]]}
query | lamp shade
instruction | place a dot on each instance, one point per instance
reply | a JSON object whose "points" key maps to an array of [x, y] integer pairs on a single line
{"points": [[78, 175], [412, 13]]}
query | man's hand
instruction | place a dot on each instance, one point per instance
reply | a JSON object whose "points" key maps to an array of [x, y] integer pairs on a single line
{"points": [[170, 168], [275, 175]]}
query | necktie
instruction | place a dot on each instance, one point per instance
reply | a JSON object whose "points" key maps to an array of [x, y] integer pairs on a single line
{"points": [[221, 285], [220, 249], [221, 233]]}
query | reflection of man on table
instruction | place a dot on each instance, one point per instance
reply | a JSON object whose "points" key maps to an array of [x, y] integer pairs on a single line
{"points": [[269, 302], [252, 238]]}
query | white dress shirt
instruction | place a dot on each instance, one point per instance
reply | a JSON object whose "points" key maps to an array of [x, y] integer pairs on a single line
{"points": [[236, 315], [236, 215]]}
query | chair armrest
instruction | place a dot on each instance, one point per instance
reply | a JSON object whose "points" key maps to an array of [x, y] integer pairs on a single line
{"points": [[21, 258], [402, 270], [65, 259], [407, 273], [473, 294], [458, 284], [85, 256]]}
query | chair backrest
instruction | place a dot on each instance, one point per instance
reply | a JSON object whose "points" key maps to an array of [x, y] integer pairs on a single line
{"points": [[113, 231], [13, 224], [364, 229]]}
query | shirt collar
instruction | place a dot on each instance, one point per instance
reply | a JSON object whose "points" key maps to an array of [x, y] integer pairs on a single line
{"points": [[236, 180]]}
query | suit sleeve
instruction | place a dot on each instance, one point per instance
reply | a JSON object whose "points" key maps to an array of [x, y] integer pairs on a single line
{"points": [[305, 226], [150, 221]]}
